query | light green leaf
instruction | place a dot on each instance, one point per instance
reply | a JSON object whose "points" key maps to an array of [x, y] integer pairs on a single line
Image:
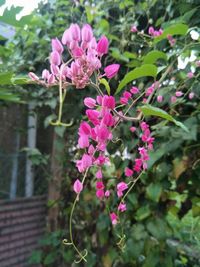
{"points": [[153, 56], [149, 110], [19, 80], [154, 192], [143, 71], [142, 213], [129, 54], [177, 29], [106, 84], [5, 78]]}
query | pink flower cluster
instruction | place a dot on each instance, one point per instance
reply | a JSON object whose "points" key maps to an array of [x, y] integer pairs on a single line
{"points": [[86, 55], [95, 135], [128, 95], [154, 33], [140, 164]]}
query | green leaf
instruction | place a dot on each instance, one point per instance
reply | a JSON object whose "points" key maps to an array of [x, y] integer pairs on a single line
{"points": [[19, 80], [106, 84], [149, 110], [142, 213], [153, 56], [143, 71], [50, 258], [5, 78], [9, 17], [129, 54], [35, 257], [154, 192], [177, 29]]}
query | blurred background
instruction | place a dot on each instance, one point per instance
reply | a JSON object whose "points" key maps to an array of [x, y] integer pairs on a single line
{"points": [[162, 223]]}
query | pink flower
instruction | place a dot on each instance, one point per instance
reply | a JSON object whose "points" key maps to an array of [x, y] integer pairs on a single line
{"points": [[132, 129], [45, 74], [151, 31], [123, 100], [99, 174], [102, 46], [99, 185], [108, 101], [66, 37], [113, 218], [191, 95], [91, 150], [144, 125], [56, 45], [93, 116], [128, 172], [120, 188], [33, 76], [51, 79], [173, 99], [84, 163], [134, 90], [127, 95], [111, 70], [78, 186], [84, 128], [89, 102], [86, 33], [108, 119], [160, 98], [122, 207], [134, 28], [178, 93], [107, 193], [75, 32], [55, 58], [100, 193], [54, 69], [190, 75], [83, 141]]}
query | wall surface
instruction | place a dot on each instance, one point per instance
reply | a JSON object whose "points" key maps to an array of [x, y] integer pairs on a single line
{"points": [[22, 224]]}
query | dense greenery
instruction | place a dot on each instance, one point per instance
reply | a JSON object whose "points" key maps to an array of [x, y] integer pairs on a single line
{"points": [[162, 223]]}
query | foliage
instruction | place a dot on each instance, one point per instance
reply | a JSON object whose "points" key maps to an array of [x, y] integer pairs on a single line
{"points": [[163, 209]]}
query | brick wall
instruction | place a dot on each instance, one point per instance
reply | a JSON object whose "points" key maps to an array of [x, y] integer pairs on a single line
{"points": [[22, 224]]}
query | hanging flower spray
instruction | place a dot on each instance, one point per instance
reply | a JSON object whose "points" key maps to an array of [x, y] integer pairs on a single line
{"points": [[104, 113]]}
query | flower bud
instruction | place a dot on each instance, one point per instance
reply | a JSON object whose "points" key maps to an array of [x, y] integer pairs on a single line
{"points": [[51, 79], [191, 95], [75, 32], [57, 46], [134, 28], [102, 46], [178, 93], [78, 186], [151, 31], [89, 102], [45, 74], [86, 33], [33, 76], [160, 98], [190, 75], [54, 69], [66, 38], [55, 58], [111, 70]]}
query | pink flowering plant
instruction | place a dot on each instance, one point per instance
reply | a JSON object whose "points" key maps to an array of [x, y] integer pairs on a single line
{"points": [[105, 112]]}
